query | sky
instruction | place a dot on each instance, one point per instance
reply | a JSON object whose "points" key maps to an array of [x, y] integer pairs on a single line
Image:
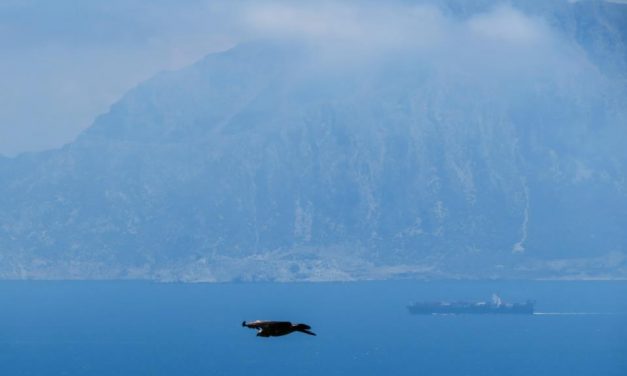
{"points": [[65, 62]]}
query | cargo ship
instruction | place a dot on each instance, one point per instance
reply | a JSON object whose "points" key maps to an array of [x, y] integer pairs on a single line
{"points": [[496, 306]]}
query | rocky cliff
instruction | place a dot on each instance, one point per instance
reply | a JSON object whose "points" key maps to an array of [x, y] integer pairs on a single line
{"points": [[488, 158]]}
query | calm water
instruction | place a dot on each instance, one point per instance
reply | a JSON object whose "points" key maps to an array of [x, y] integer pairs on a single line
{"points": [[137, 328]]}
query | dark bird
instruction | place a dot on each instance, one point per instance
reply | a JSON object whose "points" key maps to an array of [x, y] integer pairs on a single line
{"points": [[277, 328]]}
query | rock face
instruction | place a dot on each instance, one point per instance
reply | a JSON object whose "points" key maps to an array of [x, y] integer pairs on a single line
{"points": [[268, 162]]}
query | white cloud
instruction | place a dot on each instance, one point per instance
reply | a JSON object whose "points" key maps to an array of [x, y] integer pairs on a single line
{"points": [[509, 25], [374, 29], [500, 43], [369, 24], [64, 71]]}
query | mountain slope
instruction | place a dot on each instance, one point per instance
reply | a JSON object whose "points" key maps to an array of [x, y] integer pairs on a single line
{"points": [[271, 161]]}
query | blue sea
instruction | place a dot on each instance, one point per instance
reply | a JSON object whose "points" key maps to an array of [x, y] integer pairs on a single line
{"points": [[364, 328]]}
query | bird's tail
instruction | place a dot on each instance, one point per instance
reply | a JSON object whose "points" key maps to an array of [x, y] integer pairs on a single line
{"points": [[304, 329]]}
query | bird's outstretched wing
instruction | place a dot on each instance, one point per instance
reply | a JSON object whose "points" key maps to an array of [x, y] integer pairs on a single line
{"points": [[261, 324]]}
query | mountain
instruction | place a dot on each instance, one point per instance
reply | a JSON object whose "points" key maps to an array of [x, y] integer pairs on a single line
{"points": [[290, 160]]}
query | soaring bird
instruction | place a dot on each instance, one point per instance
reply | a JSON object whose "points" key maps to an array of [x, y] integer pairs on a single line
{"points": [[277, 328]]}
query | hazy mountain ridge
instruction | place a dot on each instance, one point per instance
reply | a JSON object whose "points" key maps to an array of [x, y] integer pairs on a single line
{"points": [[265, 162]]}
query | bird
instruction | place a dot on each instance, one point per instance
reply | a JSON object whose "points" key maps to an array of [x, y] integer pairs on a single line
{"points": [[277, 328]]}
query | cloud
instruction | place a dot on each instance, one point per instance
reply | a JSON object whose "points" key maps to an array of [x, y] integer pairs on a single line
{"points": [[371, 25], [508, 25], [372, 29], [498, 43], [66, 62]]}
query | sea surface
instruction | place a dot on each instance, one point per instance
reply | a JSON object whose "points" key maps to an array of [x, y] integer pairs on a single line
{"points": [[364, 328]]}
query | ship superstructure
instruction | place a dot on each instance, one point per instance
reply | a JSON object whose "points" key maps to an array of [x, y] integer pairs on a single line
{"points": [[496, 306]]}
